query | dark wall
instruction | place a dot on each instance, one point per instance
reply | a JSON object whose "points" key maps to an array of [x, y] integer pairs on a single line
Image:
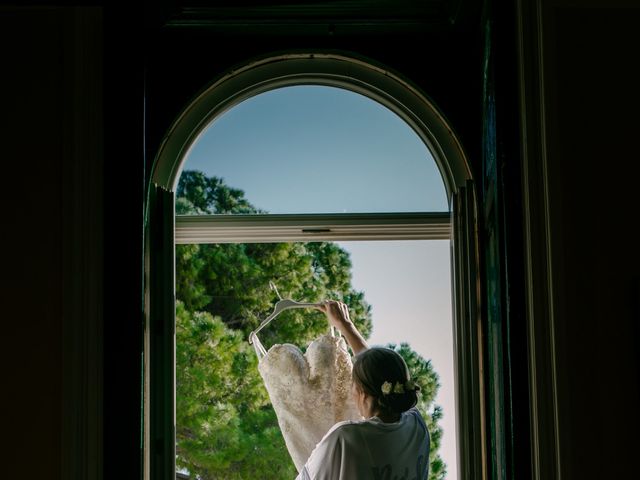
{"points": [[592, 79], [72, 154], [32, 296], [124, 177]]}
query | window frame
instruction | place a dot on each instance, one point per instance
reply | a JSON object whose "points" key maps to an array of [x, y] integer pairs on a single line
{"points": [[381, 85], [312, 227]]}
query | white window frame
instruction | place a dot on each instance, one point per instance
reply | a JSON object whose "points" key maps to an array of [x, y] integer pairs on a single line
{"points": [[312, 227]]}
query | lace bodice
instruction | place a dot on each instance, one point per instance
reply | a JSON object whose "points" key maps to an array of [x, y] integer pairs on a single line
{"points": [[309, 392]]}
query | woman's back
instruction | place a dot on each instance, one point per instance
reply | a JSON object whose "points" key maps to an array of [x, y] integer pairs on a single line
{"points": [[372, 449]]}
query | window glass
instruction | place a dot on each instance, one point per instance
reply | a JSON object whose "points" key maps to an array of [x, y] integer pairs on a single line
{"points": [[317, 149], [398, 292]]}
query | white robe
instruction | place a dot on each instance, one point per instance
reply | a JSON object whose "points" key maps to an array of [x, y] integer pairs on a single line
{"points": [[373, 450]]}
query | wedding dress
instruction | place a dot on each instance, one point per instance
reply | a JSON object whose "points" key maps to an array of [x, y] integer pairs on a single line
{"points": [[309, 392]]}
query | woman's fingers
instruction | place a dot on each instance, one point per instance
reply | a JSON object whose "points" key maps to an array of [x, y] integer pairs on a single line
{"points": [[335, 309]]}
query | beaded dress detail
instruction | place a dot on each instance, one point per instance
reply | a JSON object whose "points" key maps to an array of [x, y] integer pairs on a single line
{"points": [[310, 392]]}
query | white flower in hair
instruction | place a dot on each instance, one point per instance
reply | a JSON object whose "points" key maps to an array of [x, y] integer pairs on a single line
{"points": [[398, 388], [386, 388]]}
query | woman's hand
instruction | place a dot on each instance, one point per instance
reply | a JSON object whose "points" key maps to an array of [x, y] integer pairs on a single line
{"points": [[338, 315]]}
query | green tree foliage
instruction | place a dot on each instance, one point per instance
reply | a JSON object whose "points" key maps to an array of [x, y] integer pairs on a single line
{"points": [[226, 427]]}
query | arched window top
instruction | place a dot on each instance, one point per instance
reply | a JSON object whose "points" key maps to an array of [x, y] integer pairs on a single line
{"points": [[319, 149], [265, 78]]}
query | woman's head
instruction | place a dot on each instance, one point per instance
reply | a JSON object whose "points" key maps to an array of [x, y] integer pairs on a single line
{"points": [[382, 374]]}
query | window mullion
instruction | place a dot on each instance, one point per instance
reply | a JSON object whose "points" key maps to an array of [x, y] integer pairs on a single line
{"points": [[312, 227]]}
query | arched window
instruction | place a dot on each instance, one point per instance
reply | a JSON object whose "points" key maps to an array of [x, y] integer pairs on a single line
{"points": [[406, 209]]}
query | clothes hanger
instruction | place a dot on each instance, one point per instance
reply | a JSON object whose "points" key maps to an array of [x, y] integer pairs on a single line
{"points": [[280, 306]]}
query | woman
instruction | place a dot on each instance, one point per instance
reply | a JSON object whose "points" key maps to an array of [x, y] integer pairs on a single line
{"points": [[392, 442]]}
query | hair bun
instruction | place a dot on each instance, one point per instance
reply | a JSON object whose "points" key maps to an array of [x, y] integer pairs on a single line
{"points": [[382, 373]]}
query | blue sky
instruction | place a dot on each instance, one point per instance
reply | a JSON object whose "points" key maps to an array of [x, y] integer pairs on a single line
{"points": [[312, 149], [308, 149]]}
